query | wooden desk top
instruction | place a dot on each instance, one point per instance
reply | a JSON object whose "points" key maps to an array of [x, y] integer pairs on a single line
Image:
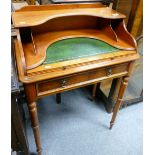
{"points": [[75, 48], [38, 27]]}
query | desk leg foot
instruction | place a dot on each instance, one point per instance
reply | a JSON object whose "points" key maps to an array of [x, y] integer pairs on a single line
{"points": [[111, 125], [119, 99], [35, 125]]}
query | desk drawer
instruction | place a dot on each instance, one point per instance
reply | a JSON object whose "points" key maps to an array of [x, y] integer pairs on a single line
{"points": [[80, 79]]}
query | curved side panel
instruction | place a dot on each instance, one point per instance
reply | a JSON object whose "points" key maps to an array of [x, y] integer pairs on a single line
{"points": [[107, 29], [20, 55], [123, 34], [114, 33]]}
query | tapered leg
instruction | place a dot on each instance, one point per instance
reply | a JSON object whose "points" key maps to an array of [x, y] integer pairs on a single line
{"points": [[35, 125], [119, 99]]}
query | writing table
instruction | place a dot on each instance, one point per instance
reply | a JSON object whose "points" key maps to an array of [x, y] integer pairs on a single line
{"points": [[67, 46]]}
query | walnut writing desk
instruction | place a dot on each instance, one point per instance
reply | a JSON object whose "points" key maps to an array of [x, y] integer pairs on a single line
{"points": [[67, 46]]}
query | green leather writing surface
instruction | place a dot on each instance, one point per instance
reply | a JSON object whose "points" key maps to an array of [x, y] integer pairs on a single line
{"points": [[73, 48]]}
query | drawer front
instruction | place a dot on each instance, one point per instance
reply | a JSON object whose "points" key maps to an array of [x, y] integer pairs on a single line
{"points": [[77, 80]]}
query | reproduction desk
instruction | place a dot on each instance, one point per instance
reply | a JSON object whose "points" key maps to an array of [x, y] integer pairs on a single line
{"points": [[67, 46]]}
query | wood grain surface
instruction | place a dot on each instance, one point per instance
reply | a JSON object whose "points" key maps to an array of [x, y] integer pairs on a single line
{"points": [[41, 14], [40, 26]]}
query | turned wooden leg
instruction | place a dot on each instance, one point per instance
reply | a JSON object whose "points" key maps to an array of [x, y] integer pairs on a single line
{"points": [[119, 99], [35, 125], [58, 98]]}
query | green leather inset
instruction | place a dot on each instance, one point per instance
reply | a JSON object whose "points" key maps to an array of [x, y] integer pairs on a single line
{"points": [[73, 48]]}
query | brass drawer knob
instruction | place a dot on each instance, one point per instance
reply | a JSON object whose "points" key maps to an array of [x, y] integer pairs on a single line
{"points": [[109, 71], [63, 83]]}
